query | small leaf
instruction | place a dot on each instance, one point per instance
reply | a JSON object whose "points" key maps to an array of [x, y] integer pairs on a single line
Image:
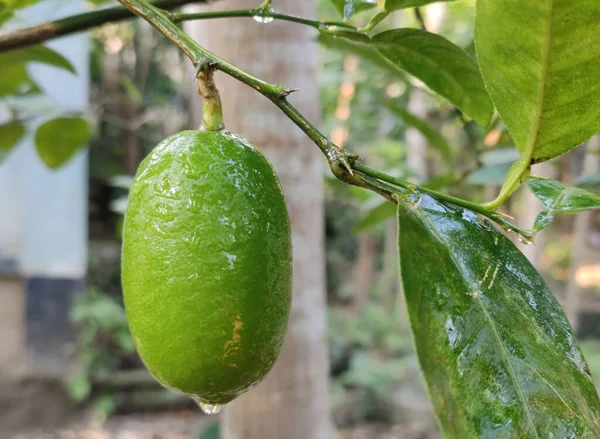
{"points": [[556, 197], [41, 54], [436, 140], [496, 350], [394, 5], [10, 134], [347, 8], [376, 214], [58, 139], [540, 61], [440, 64]]}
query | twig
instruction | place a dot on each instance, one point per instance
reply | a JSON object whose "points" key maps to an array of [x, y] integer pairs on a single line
{"points": [[76, 23], [81, 22]]}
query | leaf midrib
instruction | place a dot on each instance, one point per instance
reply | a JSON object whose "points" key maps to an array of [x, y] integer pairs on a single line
{"points": [[433, 231], [545, 62]]}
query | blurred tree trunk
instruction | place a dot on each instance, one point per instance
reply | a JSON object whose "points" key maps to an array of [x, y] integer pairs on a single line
{"points": [[581, 233], [293, 401], [364, 271]]}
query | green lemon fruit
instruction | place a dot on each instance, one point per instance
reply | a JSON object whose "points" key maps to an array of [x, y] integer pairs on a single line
{"points": [[207, 265]]}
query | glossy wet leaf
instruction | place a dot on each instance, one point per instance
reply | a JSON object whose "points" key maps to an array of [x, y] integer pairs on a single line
{"points": [[540, 61], [557, 198], [10, 134], [496, 350], [441, 65], [347, 8], [394, 5], [57, 140], [434, 137]]}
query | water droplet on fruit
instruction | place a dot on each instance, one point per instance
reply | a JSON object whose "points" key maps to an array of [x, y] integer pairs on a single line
{"points": [[262, 19], [209, 409]]}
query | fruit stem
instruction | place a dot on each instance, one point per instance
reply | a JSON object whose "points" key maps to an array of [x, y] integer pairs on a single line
{"points": [[212, 109]]}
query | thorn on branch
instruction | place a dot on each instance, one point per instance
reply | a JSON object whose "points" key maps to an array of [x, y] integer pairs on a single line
{"points": [[288, 91]]}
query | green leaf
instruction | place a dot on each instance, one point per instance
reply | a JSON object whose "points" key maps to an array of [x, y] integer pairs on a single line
{"points": [[14, 78], [394, 5], [58, 139], [347, 8], [364, 51], [496, 350], [557, 198], [10, 134], [440, 64], [7, 8], [436, 140], [41, 54], [591, 181], [376, 213], [540, 62]]}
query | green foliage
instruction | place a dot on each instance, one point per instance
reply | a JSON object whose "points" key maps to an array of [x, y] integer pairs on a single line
{"points": [[440, 64], [98, 317], [435, 139], [365, 51], [213, 431], [40, 54], [556, 197], [540, 61], [10, 134], [588, 182], [8, 8], [14, 78], [496, 350], [373, 355], [57, 140], [347, 8], [377, 210], [393, 5]]}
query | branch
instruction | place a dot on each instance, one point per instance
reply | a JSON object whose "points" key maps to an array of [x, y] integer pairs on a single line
{"points": [[262, 13], [343, 164], [77, 23], [38, 34]]}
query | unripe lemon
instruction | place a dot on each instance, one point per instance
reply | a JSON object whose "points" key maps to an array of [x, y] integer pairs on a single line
{"points": [[207, 265]]}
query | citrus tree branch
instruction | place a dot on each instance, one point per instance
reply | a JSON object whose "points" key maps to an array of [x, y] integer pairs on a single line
{"points": [[260, 13], [73, 24], [344, 165], [81, 22]]}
